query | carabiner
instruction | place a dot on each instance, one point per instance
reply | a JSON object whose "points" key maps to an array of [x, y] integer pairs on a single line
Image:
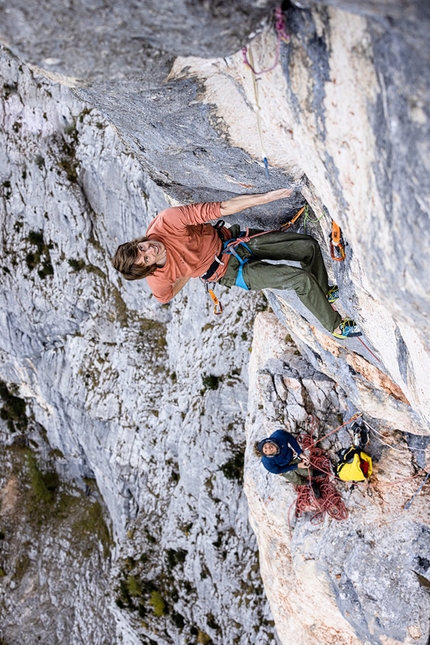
{"points": [[217, 304]]}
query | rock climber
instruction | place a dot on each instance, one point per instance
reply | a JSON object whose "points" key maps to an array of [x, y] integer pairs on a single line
{"points": [[180, 244], [281, 455]]}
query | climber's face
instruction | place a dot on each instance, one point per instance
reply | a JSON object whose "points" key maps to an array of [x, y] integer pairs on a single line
{"points": [[151, 252], [269, 449]]}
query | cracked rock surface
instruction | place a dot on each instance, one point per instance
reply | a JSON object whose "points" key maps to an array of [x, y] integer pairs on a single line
{"points": [[345, 582], [144, 403], [115, 404]]}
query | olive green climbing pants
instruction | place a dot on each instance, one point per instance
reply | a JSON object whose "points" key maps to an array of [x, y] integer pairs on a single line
{"points": [[299, 477], [310, 282]]}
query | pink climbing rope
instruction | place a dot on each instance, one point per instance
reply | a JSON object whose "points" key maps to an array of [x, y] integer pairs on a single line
{"points": [[282, 36]]}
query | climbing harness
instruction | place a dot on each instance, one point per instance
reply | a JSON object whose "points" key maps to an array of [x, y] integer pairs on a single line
{"points": [[244, 237], [337, 248], [229, 247], [248, 60]]}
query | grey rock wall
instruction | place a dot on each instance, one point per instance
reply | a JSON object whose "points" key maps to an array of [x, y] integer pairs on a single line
{"points": [[342, 115], [344, 121], [121, 40], [360, 580], [147, 401]]}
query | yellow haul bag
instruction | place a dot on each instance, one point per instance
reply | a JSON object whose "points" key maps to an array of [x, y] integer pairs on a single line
{"points": [[354, 466]]}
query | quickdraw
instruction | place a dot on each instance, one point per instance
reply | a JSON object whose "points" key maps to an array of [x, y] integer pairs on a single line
{"points": [[287, 225], [281, 36], [217, 305], [337, 248]]}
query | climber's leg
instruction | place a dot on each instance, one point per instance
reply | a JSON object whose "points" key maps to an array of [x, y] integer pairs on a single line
{"points": [[299, 477], [260, 275], [305, 249]]}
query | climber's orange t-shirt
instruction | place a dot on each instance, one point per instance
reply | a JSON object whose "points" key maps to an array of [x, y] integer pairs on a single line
{"points": [[191, 245]]}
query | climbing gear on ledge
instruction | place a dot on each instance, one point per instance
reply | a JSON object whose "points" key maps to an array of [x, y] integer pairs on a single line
{"points": [[333, 294], [360, 434], [348, 329], [354, 465], [337, 248], [419, 489]]}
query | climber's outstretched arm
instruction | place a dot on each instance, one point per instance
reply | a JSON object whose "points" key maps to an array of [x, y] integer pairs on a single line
{"points": [[237, 204]]}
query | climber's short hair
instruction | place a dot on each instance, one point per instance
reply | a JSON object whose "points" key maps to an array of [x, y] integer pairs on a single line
{"points": [[125, 257]]}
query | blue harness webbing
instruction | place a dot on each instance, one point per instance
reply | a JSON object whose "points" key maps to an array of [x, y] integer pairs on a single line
{"points": [[229, 248]]}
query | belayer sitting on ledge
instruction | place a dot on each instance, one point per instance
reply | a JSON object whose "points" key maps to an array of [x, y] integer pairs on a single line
{"points": [[281, 455], [179, 244]]}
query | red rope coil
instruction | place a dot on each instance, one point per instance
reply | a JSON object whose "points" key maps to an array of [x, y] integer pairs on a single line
{"points": [[330, 502]]}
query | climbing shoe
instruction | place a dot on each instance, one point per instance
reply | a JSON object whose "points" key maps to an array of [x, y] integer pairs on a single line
{"points": [[333, 294], [348, 329]]}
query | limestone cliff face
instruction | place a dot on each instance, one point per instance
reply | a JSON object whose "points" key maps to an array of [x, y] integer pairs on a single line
{"points": [[145, 403], [359, 580], [150, 401], [344, 118]]}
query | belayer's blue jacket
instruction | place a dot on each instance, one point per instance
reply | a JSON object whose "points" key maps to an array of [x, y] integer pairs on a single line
{"points": [[281, 463]]}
